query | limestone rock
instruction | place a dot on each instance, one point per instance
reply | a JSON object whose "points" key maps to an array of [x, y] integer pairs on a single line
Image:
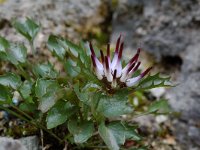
{"points": [[10, 144]]}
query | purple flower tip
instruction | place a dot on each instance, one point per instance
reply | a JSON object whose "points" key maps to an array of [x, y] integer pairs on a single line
{"points": [[112, 71]]}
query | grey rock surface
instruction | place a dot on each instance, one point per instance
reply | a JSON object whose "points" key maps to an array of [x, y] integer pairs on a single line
{"points": [[64, 17], [187, 133], [10, 144], [185, 98], [168, 28], [30, 142], [165, 28]]}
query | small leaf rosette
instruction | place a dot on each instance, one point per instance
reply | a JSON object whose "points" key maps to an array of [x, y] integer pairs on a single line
{"points": [[111, 72]]}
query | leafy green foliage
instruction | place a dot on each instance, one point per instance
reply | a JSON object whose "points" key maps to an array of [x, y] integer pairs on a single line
{"points": [[25, 89], [82, 131], [76, 100], [154, 81], [48, 92], [10, 80], [113, 106], [5, 95], [55, 47], [13, 52], [59, 113], [123, 132], [159, 107], [45, 71], [71, 68], [108, 137], [28, 29], [116, 133], [17, 53], [4, 44]]}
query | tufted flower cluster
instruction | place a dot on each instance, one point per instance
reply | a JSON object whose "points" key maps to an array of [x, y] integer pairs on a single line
{"points": [[112, 72]]}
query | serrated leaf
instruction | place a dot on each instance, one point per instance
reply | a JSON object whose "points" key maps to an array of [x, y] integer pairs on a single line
{"points": [[25, 89], [71, 47], [44, 86], [5, 95], [16, 53], [81, 131], [4, 44], [113, 106], [117, 130], [28, 29], [59, 113], [49, 100], [45, 71], [28, 107], [76, 51], [55, 47], [10, 80], [130, 133], [108, 137], [71, 68], [160, 106], [154, 81], [48, 92], [122, 132], [82, 96]]}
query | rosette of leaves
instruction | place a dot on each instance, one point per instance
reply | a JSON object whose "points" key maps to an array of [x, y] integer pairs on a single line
{"points": [[80, 100]]}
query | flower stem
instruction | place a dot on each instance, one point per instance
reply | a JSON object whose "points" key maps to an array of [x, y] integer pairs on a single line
{"points": [[30, 120]]}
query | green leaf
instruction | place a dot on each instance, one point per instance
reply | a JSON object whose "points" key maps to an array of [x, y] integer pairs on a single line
{"points": [[59, 113], [55, 47], [130, 133], [28, 107], [5, 95], [154, 81], [108, 137], [160, 107], [43, 86], [82, 96], [47, 101], [25, 89], [122, 132], [45, 71], [28, 29], [71, 47], [113, 106], [82, 131], [76, 51], [10, 80], [50, 98], [118, 130], [48, 92], [4, 44], [71, 67], [17, 53]]}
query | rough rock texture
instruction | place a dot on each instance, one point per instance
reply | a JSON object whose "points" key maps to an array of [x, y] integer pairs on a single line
{"points": [[165, 28], [27, 143], [64, 17], [169, 30], [10, 144], [30, 142]]}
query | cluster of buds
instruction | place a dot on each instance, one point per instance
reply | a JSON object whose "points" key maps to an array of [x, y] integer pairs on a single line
{"points": [[111, 72]]}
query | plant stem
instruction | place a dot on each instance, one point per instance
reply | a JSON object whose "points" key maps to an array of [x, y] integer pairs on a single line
{"points": [[99, 147], [32, 47], [23, 73], [14, 113], [30, 120]]}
